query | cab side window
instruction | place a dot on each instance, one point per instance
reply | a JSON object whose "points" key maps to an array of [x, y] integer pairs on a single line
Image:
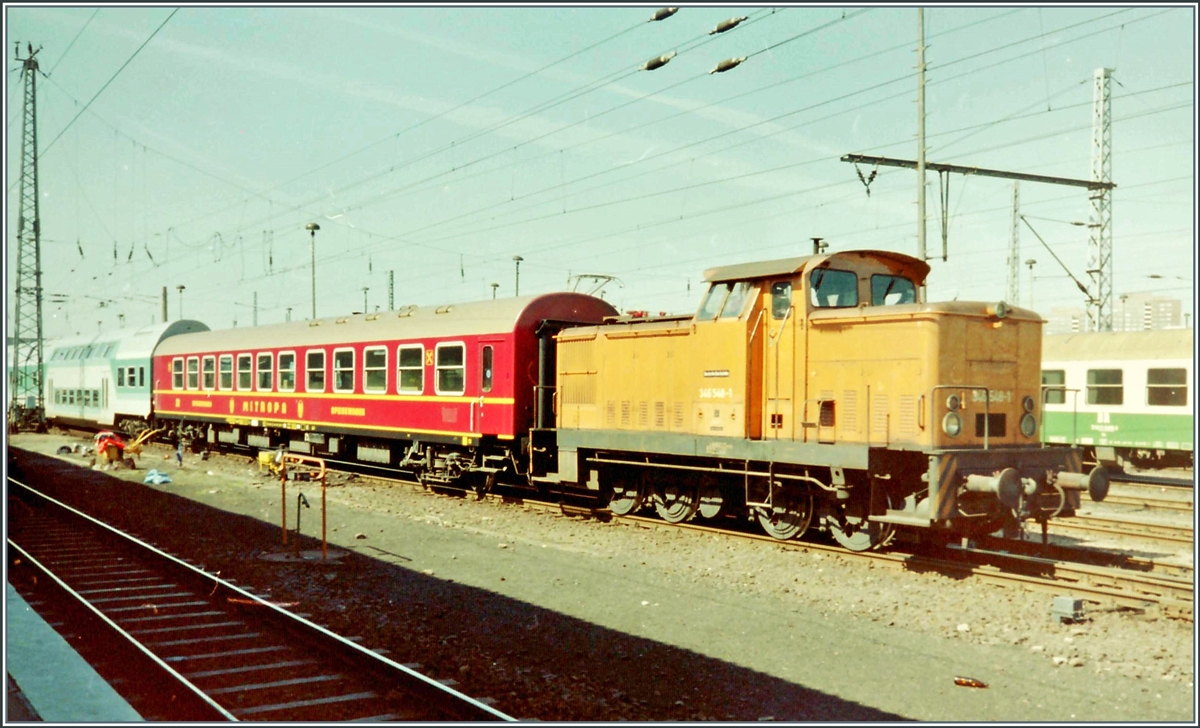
{"points": [[781, 299]]}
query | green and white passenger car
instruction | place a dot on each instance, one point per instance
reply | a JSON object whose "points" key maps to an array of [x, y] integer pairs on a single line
{"points": [[1126, 397], [104, 380]]}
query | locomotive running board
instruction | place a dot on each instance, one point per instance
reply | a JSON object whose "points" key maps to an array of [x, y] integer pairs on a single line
{"points": [[901, 518]]}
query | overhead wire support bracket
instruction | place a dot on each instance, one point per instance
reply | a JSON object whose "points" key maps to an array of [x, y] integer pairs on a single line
{"points": [[959, 169]]}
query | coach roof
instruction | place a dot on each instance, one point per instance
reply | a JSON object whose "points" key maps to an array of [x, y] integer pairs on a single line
{"points": [[476, 318]]}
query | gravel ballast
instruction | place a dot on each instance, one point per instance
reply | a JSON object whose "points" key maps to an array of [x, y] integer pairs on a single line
{"points": [[560, 618]]}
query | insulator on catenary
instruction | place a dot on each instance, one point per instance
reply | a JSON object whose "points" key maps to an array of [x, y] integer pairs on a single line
{"points": [[727, 64], [725, 25], [663, 14], [658, 62]]}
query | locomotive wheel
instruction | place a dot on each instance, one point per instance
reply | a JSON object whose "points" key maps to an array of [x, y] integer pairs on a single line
{"points": [[850, 527], [790, 516], [627, 497], [676, 503], [712, 501]]}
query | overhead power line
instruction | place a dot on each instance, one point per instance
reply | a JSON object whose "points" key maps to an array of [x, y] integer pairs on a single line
{"points": [[106, 83]]}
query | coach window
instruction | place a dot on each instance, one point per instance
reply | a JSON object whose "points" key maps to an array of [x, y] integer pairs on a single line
{"points": [[781, 299], [375, 369], [177, 373], [343, 370], [1054, 386], [1166, 387], [141, 376], [245, 372], [193, 372], [131, 376], [411, 368], [120, 376], [486, 366], [891, 290], [833, 288], [287, 371], [210, 373], [451, 369], [225, 372], [1105, 386], [314, 371], [265, 366]]}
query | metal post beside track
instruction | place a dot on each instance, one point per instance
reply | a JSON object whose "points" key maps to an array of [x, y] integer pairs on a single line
{"points": [[319, 464]]}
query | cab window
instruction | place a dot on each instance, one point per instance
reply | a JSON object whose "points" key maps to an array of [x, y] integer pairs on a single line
{"points": [[736, 301], [781, 299], [711, 305], [890, 290], [833, 288]]}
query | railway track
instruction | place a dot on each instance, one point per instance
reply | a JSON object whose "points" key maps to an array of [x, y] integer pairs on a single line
{"points": [[1123, 587], [183, 645], [1096, 575], [1121, 527]]}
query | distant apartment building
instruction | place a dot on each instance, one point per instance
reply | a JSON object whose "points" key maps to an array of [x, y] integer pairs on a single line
{"points": [[1147, 312], [1131, 312], [1066, 321]]}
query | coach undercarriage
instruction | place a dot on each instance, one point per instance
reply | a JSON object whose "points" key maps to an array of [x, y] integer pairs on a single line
{"points": [[440, 464]]}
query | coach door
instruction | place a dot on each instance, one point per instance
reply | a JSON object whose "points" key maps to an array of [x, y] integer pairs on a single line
{"points": [[487, 385], [778, 344]]}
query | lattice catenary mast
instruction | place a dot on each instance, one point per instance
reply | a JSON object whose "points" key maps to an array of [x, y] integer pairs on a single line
{"points": [[27, 404], [1099, 311]]}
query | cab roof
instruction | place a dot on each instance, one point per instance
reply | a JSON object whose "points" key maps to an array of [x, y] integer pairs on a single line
{"points": [[916, 268]]}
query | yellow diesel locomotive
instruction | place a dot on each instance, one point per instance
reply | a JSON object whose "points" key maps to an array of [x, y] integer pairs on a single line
{"points": [[813, 391]]}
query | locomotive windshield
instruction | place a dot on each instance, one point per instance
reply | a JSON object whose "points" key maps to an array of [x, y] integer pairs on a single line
{"points": [[833, 288], [890, 290], [725, 299]]}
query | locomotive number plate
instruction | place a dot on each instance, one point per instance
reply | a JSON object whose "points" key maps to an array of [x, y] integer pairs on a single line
{"points": [[996, 395]]}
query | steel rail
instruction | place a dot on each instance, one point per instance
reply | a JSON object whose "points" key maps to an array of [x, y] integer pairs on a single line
{"points": [[1119, 586], [211, 710], [435, 697], [1137, 501], [1125, 528]]}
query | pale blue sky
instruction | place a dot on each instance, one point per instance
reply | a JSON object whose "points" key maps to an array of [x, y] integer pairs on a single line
{"points": [[235, 126]]}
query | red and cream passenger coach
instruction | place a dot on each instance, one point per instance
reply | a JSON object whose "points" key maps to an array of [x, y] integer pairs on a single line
{"points": [[444, 391]]}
